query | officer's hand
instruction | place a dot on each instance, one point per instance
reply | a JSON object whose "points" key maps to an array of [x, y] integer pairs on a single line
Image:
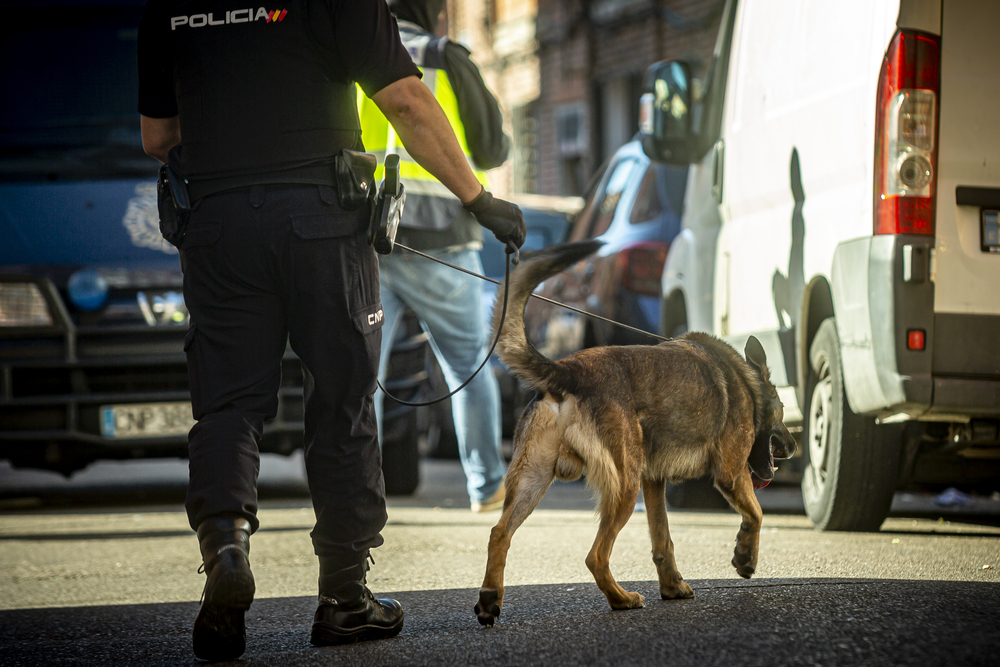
{"points": [[501, 217]]}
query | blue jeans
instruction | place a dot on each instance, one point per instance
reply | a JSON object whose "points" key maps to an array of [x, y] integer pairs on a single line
{"points": [[448, 304]]}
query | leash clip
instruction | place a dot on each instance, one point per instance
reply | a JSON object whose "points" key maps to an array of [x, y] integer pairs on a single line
{"points": [[512, 249]]}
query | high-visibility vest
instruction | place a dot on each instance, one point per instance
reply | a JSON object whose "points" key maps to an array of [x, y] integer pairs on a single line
{"points": [[429, 204]]}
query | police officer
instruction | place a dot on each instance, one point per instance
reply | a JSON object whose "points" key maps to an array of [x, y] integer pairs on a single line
{"points": [[251, 106], [447, 303]]}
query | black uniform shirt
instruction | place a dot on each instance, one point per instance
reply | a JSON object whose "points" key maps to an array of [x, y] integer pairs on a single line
{"points": [[350, 40]]}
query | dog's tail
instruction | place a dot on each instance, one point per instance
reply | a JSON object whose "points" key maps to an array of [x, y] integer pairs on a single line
{"points": [[514, 348]]}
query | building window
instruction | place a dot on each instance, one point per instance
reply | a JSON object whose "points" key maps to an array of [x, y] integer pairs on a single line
{"points": [[526, 143], [571, 146]]}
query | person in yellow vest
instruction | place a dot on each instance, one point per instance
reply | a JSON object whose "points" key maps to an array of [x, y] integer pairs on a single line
{"points": [[447, 302]]}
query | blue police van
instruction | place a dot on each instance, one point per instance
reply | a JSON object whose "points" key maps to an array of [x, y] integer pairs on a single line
{"points": [[92, 315]]}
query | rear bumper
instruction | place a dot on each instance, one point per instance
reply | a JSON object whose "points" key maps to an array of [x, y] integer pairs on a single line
{"points": [[882, 290], [963, 396]]}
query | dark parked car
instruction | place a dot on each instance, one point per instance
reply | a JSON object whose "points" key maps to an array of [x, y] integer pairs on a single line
{"points": [[92, 316], [635, 207]]}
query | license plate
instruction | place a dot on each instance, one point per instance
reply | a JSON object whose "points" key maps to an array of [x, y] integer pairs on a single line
{"points": [[146, 420], [991, 230]]}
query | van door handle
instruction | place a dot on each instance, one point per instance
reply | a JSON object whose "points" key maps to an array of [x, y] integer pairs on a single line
{"points": [[718, 159]]}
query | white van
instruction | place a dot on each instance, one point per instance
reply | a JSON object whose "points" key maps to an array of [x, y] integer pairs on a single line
{"points": [[842, 207]]}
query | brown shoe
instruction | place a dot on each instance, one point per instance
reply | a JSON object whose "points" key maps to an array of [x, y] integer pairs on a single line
{"points": [[494, 502]]}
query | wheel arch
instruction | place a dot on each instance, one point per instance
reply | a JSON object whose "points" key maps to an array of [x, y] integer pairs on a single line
{"points": [[817, 306]]}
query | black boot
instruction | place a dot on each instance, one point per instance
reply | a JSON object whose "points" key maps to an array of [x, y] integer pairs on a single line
{"points": [[348, 612], [219, 630]]}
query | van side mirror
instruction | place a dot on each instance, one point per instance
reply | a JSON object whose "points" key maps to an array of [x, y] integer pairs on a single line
{"points": [[667, 113]]}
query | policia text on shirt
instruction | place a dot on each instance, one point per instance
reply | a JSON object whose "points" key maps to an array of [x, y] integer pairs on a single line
{"points": [[252, 116]]}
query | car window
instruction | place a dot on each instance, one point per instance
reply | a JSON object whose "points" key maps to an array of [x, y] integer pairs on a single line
{"points": [[581, 225], [648, 200], [661, 191], [604, 212]]}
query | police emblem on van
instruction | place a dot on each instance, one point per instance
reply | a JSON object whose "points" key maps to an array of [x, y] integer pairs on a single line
{"points": [[142, 220]]}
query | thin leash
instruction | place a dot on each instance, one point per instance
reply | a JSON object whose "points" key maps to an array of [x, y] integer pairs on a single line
{"points": [[537, 296], [503, 317], [496, 339]]}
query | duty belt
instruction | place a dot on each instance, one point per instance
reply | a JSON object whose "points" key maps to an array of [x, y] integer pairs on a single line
{"points": [[312, 174]]}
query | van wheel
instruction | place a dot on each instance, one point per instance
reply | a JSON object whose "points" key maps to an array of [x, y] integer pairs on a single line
{"points": [[853, 462]]}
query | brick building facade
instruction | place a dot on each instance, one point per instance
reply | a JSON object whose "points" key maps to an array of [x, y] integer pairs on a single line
{"points": [[501, 35], [568, 75], [592, 58]]}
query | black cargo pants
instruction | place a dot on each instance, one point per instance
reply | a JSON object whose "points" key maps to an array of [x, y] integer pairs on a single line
{"points": [[265, 265]]}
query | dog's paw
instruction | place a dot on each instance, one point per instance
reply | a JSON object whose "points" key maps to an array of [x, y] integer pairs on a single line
{"points": [[488, 608], [630, 601], [744, 564], [677, 591]]}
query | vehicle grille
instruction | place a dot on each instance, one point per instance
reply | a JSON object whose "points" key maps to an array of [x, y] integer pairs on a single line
{"points": [[53, 386], [114, 379]]}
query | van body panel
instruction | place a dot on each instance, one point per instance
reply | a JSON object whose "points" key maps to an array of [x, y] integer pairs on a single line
{"points": [[922, 15], [791, 193], [798, 134], [917, 316], [968, 155]]}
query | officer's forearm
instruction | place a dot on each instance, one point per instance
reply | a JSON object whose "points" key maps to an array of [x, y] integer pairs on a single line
{"points": [[159, 135], [425, 132]]}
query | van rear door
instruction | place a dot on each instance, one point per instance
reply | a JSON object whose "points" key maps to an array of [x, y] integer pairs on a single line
{"points": [[966, 264], [967, 277]]}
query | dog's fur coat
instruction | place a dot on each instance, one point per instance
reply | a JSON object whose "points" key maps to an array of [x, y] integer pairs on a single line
{"points": [[629, 417]]}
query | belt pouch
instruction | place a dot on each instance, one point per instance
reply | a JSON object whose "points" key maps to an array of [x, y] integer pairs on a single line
{"points": [[172, 205], [355, 173]]}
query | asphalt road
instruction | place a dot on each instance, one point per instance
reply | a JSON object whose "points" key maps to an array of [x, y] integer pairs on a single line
{"points": [[97, 571]]}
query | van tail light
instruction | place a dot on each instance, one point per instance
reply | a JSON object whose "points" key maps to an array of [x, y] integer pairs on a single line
{"points": [[906, 127], [640, 266]]}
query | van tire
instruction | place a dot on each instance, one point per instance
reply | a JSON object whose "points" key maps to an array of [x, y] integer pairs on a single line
{"points": [[853, 462]]}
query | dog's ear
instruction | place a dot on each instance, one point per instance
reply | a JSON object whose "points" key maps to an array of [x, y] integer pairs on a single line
{"points": [[755, 357]]}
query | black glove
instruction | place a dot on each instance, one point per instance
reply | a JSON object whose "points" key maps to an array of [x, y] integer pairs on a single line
{"points": [[501, 217]]}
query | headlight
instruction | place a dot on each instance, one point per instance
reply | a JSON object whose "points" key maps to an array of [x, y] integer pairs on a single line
{"points": [[23, 305]]}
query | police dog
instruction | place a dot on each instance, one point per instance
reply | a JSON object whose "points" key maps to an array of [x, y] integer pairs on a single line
{"points": [[629, 417]]}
